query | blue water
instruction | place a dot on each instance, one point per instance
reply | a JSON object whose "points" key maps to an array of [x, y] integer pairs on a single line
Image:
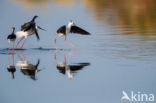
{"points": [[115, 62]]}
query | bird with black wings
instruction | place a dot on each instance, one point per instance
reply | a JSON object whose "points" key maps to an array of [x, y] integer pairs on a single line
{"points": [[71, 28], [28, 29]]}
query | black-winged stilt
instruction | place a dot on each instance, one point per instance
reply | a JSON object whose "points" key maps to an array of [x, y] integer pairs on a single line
{"points": [[11, 38], [28, 29], [71, 28]]}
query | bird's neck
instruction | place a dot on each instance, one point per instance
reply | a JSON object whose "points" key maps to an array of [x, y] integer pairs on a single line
{"points": [[33, 19], [68, 28], [13, 31], [69, 25]]}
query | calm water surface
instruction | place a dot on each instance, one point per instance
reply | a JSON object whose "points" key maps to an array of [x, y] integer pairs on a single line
{"points": [[119, 55]]}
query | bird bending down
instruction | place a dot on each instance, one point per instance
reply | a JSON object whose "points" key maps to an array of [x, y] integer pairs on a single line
{"points": [[28, 29], [71, 28], [11, 38]]}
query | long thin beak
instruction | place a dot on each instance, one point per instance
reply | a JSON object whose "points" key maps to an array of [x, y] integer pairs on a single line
{"points": [[42, 29]]}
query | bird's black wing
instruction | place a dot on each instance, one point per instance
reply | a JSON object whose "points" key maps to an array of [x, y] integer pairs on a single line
{"points": [[76, 29], [61, 70], [36, 33], [75, 67], [62, 29], [38, 62], [78, 66], [27, 26], [9, 37]]}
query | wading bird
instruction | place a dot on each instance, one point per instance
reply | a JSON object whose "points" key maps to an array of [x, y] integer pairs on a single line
{"points": [[71, 28], [11, 38], [28, 29]]}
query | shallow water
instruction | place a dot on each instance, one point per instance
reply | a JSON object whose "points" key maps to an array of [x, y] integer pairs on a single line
{"points": [[119, 55]]}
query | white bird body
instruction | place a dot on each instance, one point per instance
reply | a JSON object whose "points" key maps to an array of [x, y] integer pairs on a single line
{"points": [[21, 34]]}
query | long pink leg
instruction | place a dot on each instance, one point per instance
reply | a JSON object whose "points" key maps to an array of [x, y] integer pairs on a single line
{"points": [[72, 45], [55, 40], [13, 53], [19, 42], [65, 41], [19, 56], [55, 58], [65, 56], [9, 54], [71, 53], [23, 43], [13, 48], [13, 58], [9, 48], [24, 56]]}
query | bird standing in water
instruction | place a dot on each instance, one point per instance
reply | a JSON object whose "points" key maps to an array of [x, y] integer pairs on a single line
{"points": [[71, 28], [11, 38], [28, 29]]}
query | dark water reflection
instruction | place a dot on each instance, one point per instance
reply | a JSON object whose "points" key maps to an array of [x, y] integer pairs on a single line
{"points": [[31, 70], [28, 69], [25, 67], [69, 69], [12, 70]]}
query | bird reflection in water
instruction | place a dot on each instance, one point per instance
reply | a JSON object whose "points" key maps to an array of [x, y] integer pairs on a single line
{"points": [[11, 67], [69, 69], [28, 68]]}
